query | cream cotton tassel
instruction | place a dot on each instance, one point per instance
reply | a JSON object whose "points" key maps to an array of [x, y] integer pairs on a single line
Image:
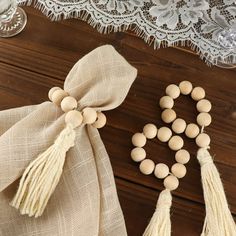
{"points": [[160, 224], [41, 177], [218, 220]]}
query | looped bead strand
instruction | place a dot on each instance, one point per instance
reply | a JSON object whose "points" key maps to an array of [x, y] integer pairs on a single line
{"points": [[175, 142], [74, 117]]}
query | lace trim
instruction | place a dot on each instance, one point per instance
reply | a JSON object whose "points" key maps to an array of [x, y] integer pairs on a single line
{"points": [[195, 23]]}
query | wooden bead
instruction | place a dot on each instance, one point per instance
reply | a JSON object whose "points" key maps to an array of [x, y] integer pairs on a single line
{"points": [[178, 170], [68, 103], [204, 105], [166, 102], [173, 91], [178, 126], [161, 171], [74, 118], [138, 154], [171, 182], [150, 131], [182, 156], [168, 115], [139, 140], [89, 115], [203, 140], [204, 119], [51, 91], [101, 121], [58, 95], [147, 166], [164, 134], [176, 143], [192, 130], [185, 87], [198, 93]]}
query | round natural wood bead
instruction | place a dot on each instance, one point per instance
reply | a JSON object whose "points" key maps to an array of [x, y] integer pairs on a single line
{"points": [[204, 105], [51, 91], [176, 143], [166, 102], [101, 120], [185, 87], [192, 130], [74, 118], [204, 119], [198, 93], [150, 131], [147, 166], [203, 140], [68, 103], [139, 140], [89, 115], [164, 134], [58, 95], [168, 115], [173, 91], [178, 126], [182, 156], [178, 170], [138, 154], [161, 171], [171, 182]]}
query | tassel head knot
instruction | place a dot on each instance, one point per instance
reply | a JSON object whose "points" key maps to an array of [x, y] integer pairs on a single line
{"points": [[204, 157], [164, 200], [66, 138]]}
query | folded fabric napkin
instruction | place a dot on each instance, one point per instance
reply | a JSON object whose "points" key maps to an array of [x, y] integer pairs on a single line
{"points": [[85, 201]]}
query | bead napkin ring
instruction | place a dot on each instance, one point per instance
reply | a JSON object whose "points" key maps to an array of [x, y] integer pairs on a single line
{"points": [[41, 177], [69, 105], [218, 219]]}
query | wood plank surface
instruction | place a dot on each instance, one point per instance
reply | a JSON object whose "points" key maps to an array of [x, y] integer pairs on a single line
{"points": [[42, 55]]}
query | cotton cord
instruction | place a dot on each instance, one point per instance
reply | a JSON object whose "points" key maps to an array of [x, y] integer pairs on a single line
{"points": [[160, 224], [41, 177], [218, 220]]}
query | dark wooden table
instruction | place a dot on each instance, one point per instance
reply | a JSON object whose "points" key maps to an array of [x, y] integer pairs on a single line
{"points": [[42, 55]]}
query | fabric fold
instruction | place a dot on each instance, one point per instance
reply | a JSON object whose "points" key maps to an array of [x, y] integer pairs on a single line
{"points": [[85, 201]]}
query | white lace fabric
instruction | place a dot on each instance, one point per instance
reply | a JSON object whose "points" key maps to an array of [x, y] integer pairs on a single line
{"points": [[164, 22]]}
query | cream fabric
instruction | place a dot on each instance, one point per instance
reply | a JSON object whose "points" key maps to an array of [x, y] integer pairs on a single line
{"points": [[85, 202]]}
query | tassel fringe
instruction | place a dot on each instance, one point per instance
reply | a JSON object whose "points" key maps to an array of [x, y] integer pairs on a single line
{"points": [[41, 177], [160, 224], [218, 220]]}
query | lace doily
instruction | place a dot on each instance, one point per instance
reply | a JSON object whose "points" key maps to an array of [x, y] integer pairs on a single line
{"points": [[195, 23]]}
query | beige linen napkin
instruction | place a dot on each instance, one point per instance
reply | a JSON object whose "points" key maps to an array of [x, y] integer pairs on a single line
{"points": [[85, 202]]}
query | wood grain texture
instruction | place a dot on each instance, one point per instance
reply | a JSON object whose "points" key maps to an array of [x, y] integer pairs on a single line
{"points": [[42, 55]]}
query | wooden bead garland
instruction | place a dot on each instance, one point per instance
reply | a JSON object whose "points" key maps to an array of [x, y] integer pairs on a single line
{"points": [[161, 171], [150, 131], [74, 117], [139, 140], [68, 103], [168, 115], [58, 95], [101, 120], [166, 102], [218, 219], [147, 166], [192, 130], [173, 91], [182, 156], [185, 87], [175, 142], [179, 126], [138, 154]]}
